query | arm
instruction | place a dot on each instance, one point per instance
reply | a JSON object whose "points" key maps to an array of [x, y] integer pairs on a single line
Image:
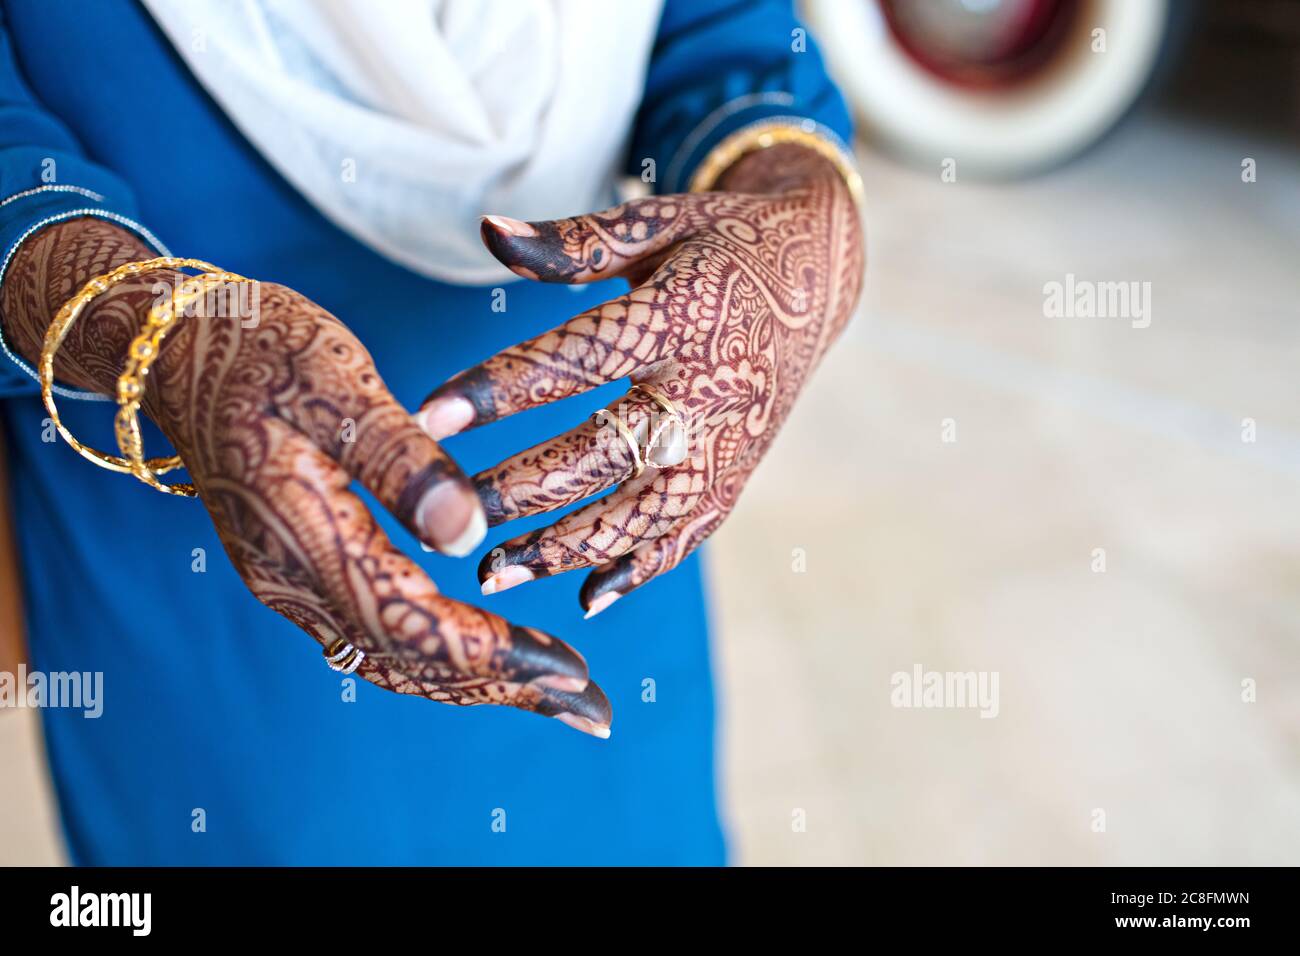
{"points": [[719, 66]]}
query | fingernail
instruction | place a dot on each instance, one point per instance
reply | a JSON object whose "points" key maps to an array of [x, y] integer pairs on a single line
{"points": [[512, 227], [452, 518], [446, 416], [602, 602], [570, 685], [584, 724], [508, 577], [588, 712]]}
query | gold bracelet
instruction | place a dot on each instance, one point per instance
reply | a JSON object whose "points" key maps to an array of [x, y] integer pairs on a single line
{"points": [[763, 135], [139, 357], [58, 331]]}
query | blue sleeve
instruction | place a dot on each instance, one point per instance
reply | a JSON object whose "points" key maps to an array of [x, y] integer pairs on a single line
{"points": [[45, 177], [718, 66]]}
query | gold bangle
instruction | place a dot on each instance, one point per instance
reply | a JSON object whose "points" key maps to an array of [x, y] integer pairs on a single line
{"points": [[763, 135], [140, 357], [58, 331]]}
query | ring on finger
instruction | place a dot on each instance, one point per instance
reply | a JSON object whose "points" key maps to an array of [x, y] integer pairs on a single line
{"points": [[658, 397], [671, 417], [616, 414], [343, 657]]}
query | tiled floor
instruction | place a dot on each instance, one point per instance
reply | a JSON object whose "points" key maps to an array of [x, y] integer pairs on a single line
{"points": [[1118, 691]]}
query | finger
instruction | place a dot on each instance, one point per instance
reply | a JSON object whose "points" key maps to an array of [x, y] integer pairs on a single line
{"points": [[587, 710], [606, 343], [300, 515], [582, 462], [641, 510], [339, 401], [596, 246], [624, 574]]}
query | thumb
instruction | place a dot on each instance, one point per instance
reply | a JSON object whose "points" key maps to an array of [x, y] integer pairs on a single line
{"points": [[600, 245]]}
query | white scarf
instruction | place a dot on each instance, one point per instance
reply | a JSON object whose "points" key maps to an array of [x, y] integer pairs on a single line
{"points": [[403, 121]]}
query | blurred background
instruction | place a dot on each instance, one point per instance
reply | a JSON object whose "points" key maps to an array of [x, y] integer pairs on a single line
{"points": [[1103, 511]]}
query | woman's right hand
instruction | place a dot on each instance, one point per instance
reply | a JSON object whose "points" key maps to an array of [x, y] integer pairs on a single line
{"points": [[274, 414]]}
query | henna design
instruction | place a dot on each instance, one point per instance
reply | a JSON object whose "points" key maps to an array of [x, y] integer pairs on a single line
{"points": [[737, 295], [274, 420]]}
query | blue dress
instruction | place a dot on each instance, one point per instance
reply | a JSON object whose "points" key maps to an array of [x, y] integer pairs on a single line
{"points": [[213, 703]]}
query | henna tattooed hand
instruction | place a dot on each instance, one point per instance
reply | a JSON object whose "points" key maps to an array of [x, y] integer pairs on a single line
{"points": [[274, 419], [736, 296]]}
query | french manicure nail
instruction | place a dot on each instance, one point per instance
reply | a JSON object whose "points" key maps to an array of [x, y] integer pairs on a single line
{"points": [[584, 724], [562, 682], [470, 538], [452, 518], [445, 416], [508, 577], [512, 227], [600, 603]]}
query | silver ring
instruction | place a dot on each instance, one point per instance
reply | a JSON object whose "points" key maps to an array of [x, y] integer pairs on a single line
{"points": [[343, 657]]}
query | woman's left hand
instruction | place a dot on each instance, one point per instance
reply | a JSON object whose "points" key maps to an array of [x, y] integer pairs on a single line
{"points": [[736, 296]]}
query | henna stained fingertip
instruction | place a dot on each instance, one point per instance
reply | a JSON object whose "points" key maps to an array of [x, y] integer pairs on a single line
{"points": [[589, 712], [539, 254], [537, 658], [474, 386], [613, 578], [511, 227], [508, 577], [524, 554], [584, 725], [570, 685], [602, 602], [490, 497]]}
